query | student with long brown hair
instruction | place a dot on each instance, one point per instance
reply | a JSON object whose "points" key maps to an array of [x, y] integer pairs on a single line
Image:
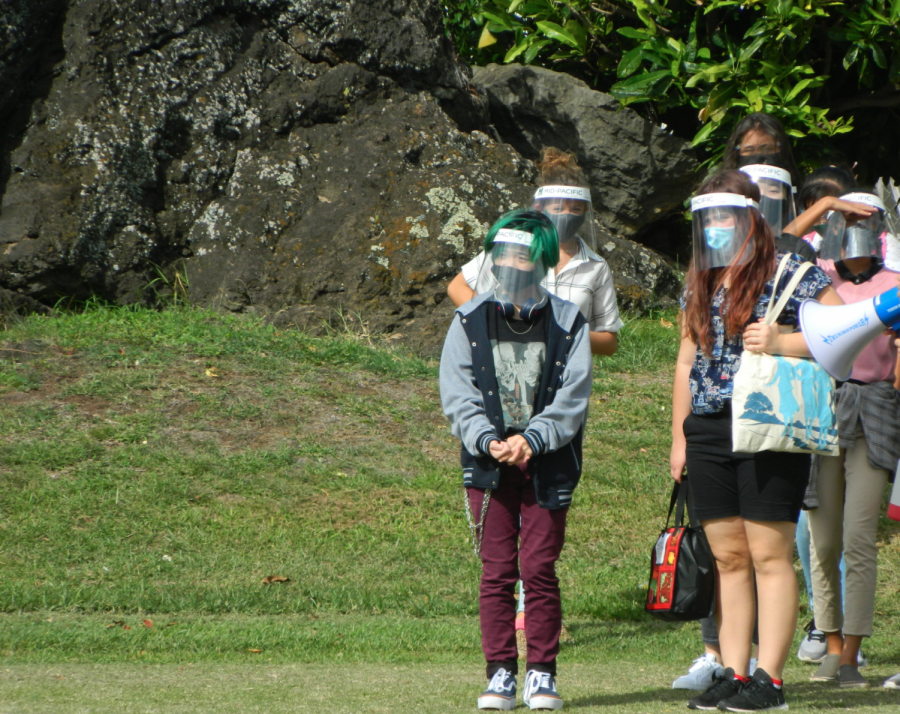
{"points": [[748, 504]]}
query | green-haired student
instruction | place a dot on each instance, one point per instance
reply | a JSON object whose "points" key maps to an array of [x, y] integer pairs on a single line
{"points": [[515, 382]]}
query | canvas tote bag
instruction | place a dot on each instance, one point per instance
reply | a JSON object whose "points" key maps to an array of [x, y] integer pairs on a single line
{"points": [[783, 403]]}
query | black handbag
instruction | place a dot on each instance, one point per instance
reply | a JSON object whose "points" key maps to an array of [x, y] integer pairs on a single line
{"points": [[682, 568]]}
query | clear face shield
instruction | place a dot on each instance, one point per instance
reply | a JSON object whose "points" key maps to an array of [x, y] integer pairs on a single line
{"points": [[515, 277], [569, 209], [776, 195], [721, 228], [862, 239]]}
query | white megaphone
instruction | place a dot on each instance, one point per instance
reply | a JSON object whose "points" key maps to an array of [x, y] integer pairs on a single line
{"points": [[836, 334]]}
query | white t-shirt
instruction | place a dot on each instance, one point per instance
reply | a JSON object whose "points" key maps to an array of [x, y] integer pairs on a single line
{"points": [[585, 280]]}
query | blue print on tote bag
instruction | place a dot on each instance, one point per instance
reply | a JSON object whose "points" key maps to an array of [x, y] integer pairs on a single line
{"points": [[809, 421]]}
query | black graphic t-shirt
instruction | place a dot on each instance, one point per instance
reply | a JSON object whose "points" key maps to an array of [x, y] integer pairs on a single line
{"points": [[519, 349]]}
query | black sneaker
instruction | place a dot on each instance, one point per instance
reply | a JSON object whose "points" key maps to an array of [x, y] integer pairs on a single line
{"points": [[757, 695], [723, 686]]}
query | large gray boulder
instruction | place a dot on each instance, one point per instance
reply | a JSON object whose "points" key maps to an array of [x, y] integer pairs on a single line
{"points": [[639, 173], [317, 161]]}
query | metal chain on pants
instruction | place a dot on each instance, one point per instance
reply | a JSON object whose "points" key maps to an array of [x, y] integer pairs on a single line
{"points": [[477, 529]]}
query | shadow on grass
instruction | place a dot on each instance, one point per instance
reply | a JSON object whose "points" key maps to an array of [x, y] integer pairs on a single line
{"points": [[813, 694], [805, 694], [659, 696]]}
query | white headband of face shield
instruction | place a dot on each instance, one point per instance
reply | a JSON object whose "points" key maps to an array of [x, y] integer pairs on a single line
{"points": [[508, 235], [866, 198], [764, 171], [714, 200], [574, 192]]}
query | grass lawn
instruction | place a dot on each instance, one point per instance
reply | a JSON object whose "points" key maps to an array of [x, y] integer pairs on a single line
{"points": [[157, 466]]}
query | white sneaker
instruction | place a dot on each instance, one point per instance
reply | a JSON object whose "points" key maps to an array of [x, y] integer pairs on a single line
{"points": [[892, 682], [813, 648], [500, 693], [752, 668], [702, 674], [540, 691], [861, 660]]}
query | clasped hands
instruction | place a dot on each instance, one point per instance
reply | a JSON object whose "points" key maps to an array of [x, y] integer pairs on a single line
{"points": [[514, 450]]}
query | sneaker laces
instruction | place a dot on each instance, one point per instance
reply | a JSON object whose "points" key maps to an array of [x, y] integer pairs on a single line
{"points": [[540, 680], [497, 683], [702, 662]]}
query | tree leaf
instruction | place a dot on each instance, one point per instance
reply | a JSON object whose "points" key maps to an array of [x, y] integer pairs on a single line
{"points": [[799, 87], [704, 133], [486, 39], [751, 49], [878, 56], [555, 32], [515, 51], [533, 50], [501, 20], [630, 62], [633, 33], [851, 56]]}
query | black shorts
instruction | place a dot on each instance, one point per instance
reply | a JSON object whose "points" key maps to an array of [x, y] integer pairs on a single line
{"points": [[767, 486]]}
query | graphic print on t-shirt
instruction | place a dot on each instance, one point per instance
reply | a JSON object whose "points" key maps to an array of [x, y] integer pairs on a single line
{"points": [[518, 367]]}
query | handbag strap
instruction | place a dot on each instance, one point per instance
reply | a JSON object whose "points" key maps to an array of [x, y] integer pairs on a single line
{"points": [[775, 308], [677, 503]]}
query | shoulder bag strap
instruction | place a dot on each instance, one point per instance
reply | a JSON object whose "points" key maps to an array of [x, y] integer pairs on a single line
{"points": [[682, 502], [672, 500], [774, 309]]}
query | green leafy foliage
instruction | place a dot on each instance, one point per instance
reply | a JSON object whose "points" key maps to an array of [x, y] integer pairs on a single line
{"points": [[811, 63]]}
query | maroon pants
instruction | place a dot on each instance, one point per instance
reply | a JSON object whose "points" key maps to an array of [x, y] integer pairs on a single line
{"points": [[521, 540]]}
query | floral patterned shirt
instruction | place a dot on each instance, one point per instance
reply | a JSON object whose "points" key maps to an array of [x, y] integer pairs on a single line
{"points": [[712, 376]]}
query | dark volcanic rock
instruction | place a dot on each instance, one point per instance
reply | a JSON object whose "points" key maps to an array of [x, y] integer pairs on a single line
{"points": [[314, 160], [124, 121], [638, 172]]}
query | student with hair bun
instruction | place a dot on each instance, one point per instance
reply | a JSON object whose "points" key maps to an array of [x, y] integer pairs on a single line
{"points": [[582, 276]]}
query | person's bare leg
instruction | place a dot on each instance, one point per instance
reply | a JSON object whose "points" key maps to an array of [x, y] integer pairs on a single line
{"points": [[835, 642], [772, 550], [850, 651], [735, 594]]}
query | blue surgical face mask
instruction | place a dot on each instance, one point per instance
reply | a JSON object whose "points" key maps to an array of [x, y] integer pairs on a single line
{"points": [[717, 237]]}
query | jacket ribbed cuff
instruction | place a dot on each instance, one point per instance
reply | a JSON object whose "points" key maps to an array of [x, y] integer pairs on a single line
{"points": [[534, 441], [484, 441]]}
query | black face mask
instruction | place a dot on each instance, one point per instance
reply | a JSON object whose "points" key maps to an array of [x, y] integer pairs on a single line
{"points": [[512, 279], [567, 224]]}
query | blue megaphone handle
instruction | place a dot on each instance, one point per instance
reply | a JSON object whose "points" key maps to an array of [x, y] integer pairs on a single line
{"points": [[887, 307]]}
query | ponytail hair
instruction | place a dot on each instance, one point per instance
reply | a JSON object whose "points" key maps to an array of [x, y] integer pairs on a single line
{"points": [[746, 281]]}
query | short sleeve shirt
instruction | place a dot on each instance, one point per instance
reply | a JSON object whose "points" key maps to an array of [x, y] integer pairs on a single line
{"points": [[586, 280], [519, 349], [712, 376]]}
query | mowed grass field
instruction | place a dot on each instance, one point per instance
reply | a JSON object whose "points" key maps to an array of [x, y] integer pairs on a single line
{"points": [[156, 467]]}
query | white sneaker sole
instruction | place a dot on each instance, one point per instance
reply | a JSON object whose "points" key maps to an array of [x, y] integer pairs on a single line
{"points": [[750, 711], [497, 702], [692, 686], [544, 702], [803, 657]]}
